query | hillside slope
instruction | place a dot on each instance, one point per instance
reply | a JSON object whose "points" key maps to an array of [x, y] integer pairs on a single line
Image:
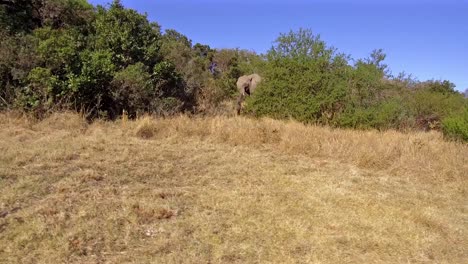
{"points": [[227, 190]]}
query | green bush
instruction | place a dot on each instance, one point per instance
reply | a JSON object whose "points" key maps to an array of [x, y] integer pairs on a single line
{"points": [[40, 92], [304, 80], [127, 34], [67, 54], [425, 102], [18, 57], [429, 107], [131, 90], [105, 59], [88, 88], [58, 49], [389, 114], [456, 127]]}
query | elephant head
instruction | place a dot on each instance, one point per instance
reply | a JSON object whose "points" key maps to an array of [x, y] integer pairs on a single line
{"points": [[246, 85]]}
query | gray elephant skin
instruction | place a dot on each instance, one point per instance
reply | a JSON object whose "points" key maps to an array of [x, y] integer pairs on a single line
{"points": [[246, 85]]}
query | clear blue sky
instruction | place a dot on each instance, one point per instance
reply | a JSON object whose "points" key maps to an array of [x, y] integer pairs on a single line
{"points": [[427, 38]]}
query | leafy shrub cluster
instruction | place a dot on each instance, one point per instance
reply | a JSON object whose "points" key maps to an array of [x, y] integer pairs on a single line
{"points": [[68, 54], [456, 126], [307, 80]]}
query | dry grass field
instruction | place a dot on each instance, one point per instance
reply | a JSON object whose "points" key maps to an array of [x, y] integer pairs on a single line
{"points": [[227, 190]]}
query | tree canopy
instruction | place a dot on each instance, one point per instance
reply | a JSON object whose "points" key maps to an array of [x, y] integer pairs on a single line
{"points": [[69, 54]]}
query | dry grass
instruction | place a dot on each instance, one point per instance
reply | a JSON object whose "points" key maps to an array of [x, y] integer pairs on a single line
{"points": [[227, 190]]}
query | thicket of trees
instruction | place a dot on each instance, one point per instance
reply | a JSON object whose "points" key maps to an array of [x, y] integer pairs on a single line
{"points": [[310, 81], [67, 54]]}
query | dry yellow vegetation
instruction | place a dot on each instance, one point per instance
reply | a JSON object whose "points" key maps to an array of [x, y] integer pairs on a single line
{"points": [[227, 190]]}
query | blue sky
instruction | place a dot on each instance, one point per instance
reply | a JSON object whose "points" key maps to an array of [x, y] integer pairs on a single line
{"points": [[426, 38]]}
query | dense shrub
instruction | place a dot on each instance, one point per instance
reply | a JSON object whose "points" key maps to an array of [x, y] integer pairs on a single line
{"points": [[429, 107], [100, 61], [309, 81], [456, 127], [39, 94], [390, 114], [305, 79], [69, 55], [131, 90]]}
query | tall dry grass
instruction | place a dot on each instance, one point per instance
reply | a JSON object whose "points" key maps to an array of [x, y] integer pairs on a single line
{"points": [[426, 156], [227, 190]]}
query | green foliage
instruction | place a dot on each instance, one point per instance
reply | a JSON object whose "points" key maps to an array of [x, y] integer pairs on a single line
{"points": [[89, 89], [27, 15], [166, 79], [176, 48], [127, 34], [229, 72], [171, 90], [231, 64], [65, 13], [97, 69], [101, 60], [301, 45], [58, 49], [131, 89], [431, 101], [20, 15], [304, 79], [57, 54], [203, 51], [376, 59], [385, 115], [456, 127], [443, 87], [172, 35], [40, 92], [365, 84], [429, 107], [310, 82], [17, 58]]}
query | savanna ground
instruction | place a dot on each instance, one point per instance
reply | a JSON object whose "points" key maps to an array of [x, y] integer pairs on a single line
{"points": [[227, 190]]}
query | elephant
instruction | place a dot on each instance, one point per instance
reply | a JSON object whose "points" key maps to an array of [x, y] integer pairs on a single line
{"points": [[246, 85]]}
